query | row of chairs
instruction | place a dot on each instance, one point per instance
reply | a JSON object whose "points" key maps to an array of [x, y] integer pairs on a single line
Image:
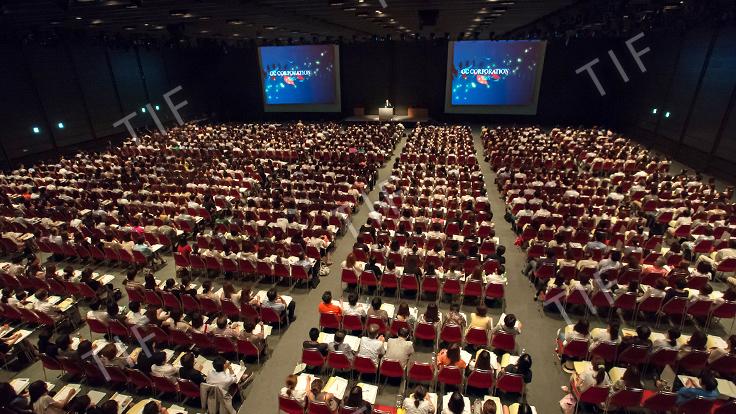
{"points": [[417, 372], [22, 315], [107, 254], [292, 406], [431, 285], [693, 362], [246, 268], [202, 341], [91, 373], [450, 333], [56, 287]]}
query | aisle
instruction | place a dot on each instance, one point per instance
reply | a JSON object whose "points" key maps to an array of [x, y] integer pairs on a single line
{"points": [[539, 330], [261, 395]]}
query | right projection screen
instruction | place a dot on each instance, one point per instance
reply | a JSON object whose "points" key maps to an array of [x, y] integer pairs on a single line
{"points": [[494, 76]]}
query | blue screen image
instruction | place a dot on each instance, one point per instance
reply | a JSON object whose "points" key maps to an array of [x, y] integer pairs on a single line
{"points": [[298, 74], [486, 72]]}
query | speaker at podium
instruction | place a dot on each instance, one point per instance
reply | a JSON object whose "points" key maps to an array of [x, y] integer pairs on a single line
{"points": [[386, 113]]}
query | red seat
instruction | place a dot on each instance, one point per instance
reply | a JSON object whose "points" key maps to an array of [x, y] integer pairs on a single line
{"points": [[391, 369], [224, 344], [164, 385], [313, 358], [246, 348], [190, 389], [408, 282], [693, 362], [425, 331], [450, 375], [316, 407], [510, 383], [663, 357], [189, 303], [477, 337], [339, 361], [421, 372], [135, 295], [697, 405], [389, 281], [594, 395], [115, 375], [209, 306], [660, 402], [503, 341], [725, 408], [139, 380], [364, 365], [229, 308], [96, 327], [201, 340], [452, 287], [329, 320], [480, 379], [290, 405], [452, 333], [348, 277], [352, 323], [71, 367], [177, 337], [170, 300], [725, 365], [152, 298], [576, 348], [606, 350], [473, 289], [495, 291], [430, 284], [396, 325], [118, 328], [50, 363]]}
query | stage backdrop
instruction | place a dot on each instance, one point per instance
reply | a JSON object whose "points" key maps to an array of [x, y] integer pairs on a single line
{"points": [[300, 78], [494, 77]]}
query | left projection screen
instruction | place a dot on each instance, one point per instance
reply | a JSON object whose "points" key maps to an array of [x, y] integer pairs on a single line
{"points": [[303, 78]]}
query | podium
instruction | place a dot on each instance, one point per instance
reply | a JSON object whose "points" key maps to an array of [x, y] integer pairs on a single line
{"points": [[385, 114]]}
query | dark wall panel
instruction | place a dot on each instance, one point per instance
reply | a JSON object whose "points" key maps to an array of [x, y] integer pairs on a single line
{"points": [[727, 147], [98, 87], [692, 58], [19, 108], [63, 101], [715, 92], [130, 85]]}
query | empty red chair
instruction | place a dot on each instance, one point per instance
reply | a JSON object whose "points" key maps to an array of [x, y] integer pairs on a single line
{"points": [[313, 358], [96, 327], [503, 341], [170, 300], [473, 289], [152, 298], [408, 282], [224, 344], [50, 363], [576, 348], [93, 373], [431, 285], [353, 323], [71, 367], [697, 405], [209, 306], [452, 287]]}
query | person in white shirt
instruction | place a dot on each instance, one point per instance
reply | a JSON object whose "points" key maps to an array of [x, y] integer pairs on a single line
{"points": [[223, 376], [161, 368], [353, 307], [371, 346], [42, 305], [290, 390], [135, 316]]}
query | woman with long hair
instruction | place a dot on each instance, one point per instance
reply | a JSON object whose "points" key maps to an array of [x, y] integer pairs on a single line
{"points": [[450, 356], [355, 400], [419, 402], [290, 390], [431, 315], [43, 403]]}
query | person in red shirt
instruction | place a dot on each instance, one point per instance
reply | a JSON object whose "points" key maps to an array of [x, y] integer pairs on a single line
{"points": [[328, 307]]}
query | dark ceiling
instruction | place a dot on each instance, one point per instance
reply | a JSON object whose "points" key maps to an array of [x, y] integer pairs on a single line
{"points": [[272, 19]]}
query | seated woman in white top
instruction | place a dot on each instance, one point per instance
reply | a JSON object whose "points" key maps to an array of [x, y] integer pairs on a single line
{"points": [[508, 325], [353, 307], [670, 342], [595, 375], [174, 322], [208, 293], [718, 353], [419, 402], [656, 291], [290, 390], [161, 368], [611, 334], [581, 330], [228, 292], [499, 276]]}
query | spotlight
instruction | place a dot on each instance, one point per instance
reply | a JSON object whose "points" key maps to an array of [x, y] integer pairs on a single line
{"points": [[667, 114], [60, 125], [143, 109], [36, 130], [654, 111], [157, 107]]}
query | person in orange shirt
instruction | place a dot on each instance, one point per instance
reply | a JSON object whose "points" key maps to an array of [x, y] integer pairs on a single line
{"points": [[328, 307], [450, 356]]}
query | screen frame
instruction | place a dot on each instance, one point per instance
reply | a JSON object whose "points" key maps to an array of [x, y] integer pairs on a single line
{"points": [[528, 109], [321, 107]]}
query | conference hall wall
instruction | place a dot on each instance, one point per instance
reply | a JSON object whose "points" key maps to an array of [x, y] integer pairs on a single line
{"points": [[88, 87]]}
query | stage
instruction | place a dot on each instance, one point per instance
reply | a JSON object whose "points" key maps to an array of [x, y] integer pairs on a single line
{"points": [[395, 118]]}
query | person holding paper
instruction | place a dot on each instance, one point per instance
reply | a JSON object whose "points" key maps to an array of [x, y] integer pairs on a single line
{"points": [[522, 367], [290, 390], [707, 389], [371, 346], [315, 393], [189, 370], [43, 403], [400, 348], [339, 345], [450, 356], [419, 402]]}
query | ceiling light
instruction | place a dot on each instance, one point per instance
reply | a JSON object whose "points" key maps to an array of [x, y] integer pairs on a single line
{"points": [[128, 27], [204, 31], [269, 27], [350, 8], [204, 17], [96, 21], [159, 27], [78, 18], [178, 13], [236, 22], [336, 2]]}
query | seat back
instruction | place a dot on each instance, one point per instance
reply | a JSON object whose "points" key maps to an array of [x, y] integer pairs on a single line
{"points": [[318, 407], [634, 355], [503, 341], [452, 333], [479, 378], [188, 388], [594, 395], [513, 383], [694, 361], [312, 357], [697, 405], [626, 398], [163, 384], [477, 336], [364, 365], [450, 375], [421, 372], [606, 350], [290, 405], [329, 320], [391, 368], [224, 344], [425, 331], [661, 402], [576, 348], [201, 340]]}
